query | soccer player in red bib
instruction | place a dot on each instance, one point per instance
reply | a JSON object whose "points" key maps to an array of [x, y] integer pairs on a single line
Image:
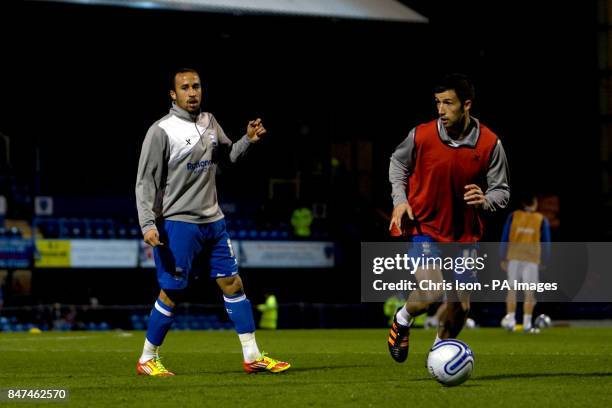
{"points": [[443, 176]]}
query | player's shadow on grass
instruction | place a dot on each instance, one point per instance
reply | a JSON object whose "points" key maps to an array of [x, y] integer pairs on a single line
{"points": [[327, 368], [540, 375], [291, 370]]}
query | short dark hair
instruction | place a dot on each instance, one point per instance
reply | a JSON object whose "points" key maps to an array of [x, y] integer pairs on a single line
{"points": [[459, 83], [527, 198], [177, 71]]}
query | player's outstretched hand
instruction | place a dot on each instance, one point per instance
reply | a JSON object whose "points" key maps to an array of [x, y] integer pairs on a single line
{"points": [[474, 195], [151, 237], [398, 213], [255, 130]]}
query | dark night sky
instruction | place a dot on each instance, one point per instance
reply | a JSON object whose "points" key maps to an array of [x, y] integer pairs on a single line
{"points": [[86, 82]]}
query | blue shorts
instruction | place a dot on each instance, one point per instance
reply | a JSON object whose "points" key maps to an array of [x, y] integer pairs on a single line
{"points": [[424, 245], [189, 248]]}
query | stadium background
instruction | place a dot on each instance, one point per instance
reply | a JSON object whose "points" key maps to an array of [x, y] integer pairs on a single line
{"points": [[83, 84]]}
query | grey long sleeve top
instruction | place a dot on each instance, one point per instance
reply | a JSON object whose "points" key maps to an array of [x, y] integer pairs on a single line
{"points": [[177, 166]]}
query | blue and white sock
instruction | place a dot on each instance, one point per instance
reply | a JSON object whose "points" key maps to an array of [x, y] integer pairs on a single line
{"points": [[160, 321], [241, 314]]}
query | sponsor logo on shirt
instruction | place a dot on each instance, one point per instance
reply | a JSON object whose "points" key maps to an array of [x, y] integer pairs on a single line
{"points": [[199, 167]]}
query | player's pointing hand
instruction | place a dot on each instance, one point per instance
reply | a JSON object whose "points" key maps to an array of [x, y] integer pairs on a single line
{"points": [[255, 130]]}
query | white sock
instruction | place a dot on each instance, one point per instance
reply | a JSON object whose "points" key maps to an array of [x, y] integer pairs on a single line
{"points": [[511, 316], [437, 340], [250, 351], [526, 322], [149, 351], [403, 317]]}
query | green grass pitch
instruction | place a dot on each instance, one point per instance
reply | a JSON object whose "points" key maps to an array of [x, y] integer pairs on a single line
{"points": [[558, 367]]}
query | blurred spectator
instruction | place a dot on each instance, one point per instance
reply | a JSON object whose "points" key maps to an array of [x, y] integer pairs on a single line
{"points": [[269, 313], [390, 307], [66, 319], [301, 220], [43, 317]]}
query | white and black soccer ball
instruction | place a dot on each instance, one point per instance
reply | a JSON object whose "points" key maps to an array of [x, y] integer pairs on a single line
{"points": [[543, 321], [450, 362]]}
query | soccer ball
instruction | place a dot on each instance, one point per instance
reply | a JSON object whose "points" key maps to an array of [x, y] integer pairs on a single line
{"points": [[470, 323], [508, 324], [450, 362], [543, 321]]}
